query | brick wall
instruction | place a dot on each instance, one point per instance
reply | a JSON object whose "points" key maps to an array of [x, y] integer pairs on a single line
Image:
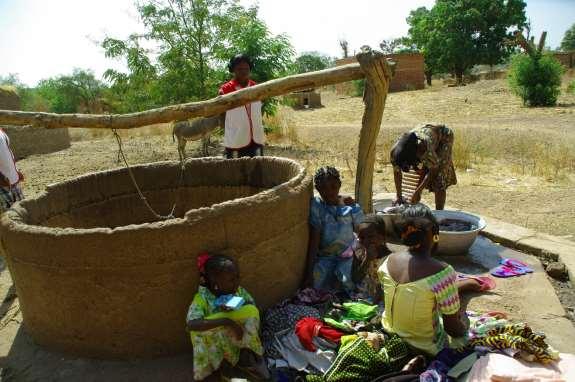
{"points": [[409, 73], [9, 99], [567, 59], [28, 140]]}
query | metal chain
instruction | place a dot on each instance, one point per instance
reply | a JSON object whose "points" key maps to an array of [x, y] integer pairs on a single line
{"points": [[140, 193]]}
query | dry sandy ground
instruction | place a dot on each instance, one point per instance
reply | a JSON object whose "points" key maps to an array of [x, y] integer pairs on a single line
{"points": [[504, 140]]}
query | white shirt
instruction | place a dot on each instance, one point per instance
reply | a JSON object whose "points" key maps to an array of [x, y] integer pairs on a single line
{"points": [[7, 162], [244, 123]]}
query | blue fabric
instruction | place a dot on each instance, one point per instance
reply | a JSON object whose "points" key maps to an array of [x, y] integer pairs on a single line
{"points": [[336, 225], [333, 272]]}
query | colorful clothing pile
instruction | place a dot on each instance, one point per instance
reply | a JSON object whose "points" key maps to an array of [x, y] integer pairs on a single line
{"points": [[308, 328], [213, 346], [358, 361], [352, 317], [283, 318]]}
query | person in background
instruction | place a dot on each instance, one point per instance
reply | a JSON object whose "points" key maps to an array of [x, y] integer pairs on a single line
{"points": [[244, 131], [427, 149], [220, 332], [333, 222], [10, 177]]}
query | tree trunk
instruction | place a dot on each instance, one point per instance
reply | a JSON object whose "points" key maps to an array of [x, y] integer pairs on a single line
{"points": [[428, 77], [214, 106], [459, 76], [378, 75]]}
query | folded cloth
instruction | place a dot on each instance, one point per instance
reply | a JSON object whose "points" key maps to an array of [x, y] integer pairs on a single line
{"points": [[359, 311], [308, 328], [280, 318], [499, 368], [299, 358], [357, 361]]}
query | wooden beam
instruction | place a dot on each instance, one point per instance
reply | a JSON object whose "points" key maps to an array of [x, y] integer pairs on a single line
{"points": [[171, 113], [378, 73]]}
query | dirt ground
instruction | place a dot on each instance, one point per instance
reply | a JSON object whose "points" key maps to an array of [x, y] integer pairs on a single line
{"points": [[499, 187], [502, 141]]}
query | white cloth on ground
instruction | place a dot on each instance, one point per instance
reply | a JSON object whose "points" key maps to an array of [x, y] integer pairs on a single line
{"points": [[495, 367], [298, 358]]}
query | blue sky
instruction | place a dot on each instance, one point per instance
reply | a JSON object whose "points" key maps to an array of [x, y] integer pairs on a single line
{"points": [[43, 38]]}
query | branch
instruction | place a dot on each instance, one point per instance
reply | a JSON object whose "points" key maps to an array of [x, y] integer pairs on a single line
{"points": [[214, 106]]}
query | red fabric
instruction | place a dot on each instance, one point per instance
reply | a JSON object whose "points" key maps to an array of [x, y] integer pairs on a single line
{"points": [[308, 328], [232, 86], [202, 260]]}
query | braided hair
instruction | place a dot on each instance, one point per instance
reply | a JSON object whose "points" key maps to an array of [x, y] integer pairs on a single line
{"points": [[376, 221], [218, 264], [416, 220], [323, 174]]}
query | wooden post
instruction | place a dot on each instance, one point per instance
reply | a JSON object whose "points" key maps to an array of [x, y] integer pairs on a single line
{"points": [[378, 74]]}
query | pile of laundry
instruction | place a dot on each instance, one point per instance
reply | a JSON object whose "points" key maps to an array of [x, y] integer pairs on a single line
{"points": [[320, 337]]}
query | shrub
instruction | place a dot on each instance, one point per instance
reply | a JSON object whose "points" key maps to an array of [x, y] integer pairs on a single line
{"points": [[358, 87], [536, 79], [571, 87]]}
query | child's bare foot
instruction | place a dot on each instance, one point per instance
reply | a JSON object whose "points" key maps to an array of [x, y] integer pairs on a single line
{"points": [[253, 364], [416, 365]]}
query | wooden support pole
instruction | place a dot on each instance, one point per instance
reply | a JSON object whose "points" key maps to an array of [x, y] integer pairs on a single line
{"points": [[214, 106], [378, 73]]}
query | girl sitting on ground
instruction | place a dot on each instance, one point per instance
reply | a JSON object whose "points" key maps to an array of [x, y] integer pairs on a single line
{"points": [[217, 331], [422, 293], [371, 236], [333, 220]]}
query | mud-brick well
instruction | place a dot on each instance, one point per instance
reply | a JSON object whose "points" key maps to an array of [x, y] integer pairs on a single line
{"points": [[97, 276]]}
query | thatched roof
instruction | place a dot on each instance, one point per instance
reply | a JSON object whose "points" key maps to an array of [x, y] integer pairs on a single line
{"points": [[9, 98]]}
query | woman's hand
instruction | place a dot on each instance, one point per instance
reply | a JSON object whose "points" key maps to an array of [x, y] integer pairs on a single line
{"points": [[236, 329], [416, 198], [398, 201]]}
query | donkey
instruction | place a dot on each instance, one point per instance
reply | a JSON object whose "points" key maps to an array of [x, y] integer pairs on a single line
{"points": [[194, 130]]}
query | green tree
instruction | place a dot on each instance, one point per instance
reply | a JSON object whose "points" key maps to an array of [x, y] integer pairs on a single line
{"points": [[30, 100], [421, 25], [193, 40], [80, 91], [456, 34], [568, 42], [312, 61], [536, 75]]}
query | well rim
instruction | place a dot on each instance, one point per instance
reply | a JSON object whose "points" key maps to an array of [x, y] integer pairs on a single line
{"points": [[14, 219]]}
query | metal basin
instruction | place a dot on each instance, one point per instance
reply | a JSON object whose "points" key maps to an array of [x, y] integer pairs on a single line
{"points": [[453, 243]]}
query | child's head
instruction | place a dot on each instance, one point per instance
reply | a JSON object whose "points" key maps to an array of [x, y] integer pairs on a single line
{"points": [[328, 182], [240, 66], [222, 275], [372, 231], [418, 228]]}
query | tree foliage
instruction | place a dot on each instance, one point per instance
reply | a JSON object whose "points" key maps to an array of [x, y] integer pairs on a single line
{"points": [[78, 92], [454, 35], [312, 61], [568, 42], [535, 76], [193, 41]]}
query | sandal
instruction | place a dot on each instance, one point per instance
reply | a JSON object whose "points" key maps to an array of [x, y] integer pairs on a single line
{"points": [[517, 264]]}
